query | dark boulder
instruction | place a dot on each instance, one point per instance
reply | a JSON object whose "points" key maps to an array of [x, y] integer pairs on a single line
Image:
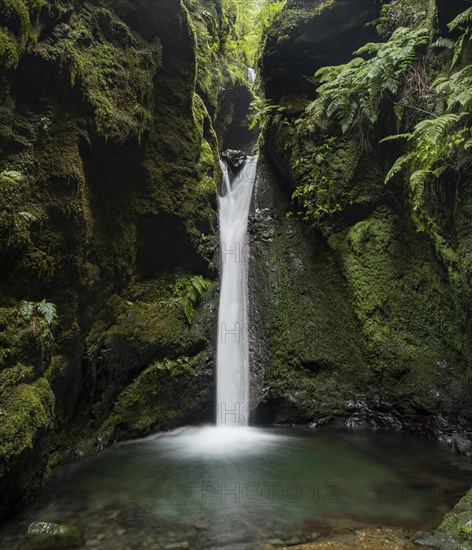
{"points": [[234, 159]]}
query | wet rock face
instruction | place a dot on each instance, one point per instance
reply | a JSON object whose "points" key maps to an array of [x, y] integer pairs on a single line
{"points": [[460, 443], [304, 363], [234, 159]]}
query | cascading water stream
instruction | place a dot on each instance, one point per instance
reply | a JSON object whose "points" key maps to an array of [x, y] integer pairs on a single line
{"points": [[232, 362]]}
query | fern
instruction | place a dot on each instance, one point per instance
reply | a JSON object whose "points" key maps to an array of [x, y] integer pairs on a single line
{"points": [[457, 89], [398, 167], [266, 114], [11, 176], [447, 43], [437, 144], [26, 309], [45, 310], [352, 94], [186, 293], [463, 22], [27, 216]]}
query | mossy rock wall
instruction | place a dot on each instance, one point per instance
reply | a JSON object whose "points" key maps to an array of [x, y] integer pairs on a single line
{"points": [[364, 321], [108, 168]]}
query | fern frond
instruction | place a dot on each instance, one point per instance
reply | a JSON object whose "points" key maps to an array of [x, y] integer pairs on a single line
{"points": [[417, 181], [351, 93], [458, 50], [462, 19], [396, 137], [27, 216], [399, 110], [398, 167], [26, 309], [444, 43], [435, 128], [11, 176], [47, 310]]}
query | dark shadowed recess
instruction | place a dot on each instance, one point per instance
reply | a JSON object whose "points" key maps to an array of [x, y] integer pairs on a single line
{"points": [[322, 39]]}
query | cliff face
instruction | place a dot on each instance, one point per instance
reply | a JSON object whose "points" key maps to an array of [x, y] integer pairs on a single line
{"points": [[108, 171], [111, 116], [364, 320]]}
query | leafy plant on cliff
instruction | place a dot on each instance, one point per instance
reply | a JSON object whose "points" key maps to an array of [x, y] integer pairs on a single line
{"points": [[266, 114], [400, 13], [463, 23], [186, 293], [436, 143], [11, 176], [317, 194], [30, 310], [440, 145], [352, 95]]}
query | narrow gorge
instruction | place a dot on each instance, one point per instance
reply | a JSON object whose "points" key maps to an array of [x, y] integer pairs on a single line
{"points": [[235, 274]]}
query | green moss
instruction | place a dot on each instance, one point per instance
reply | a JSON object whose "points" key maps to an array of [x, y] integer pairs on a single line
{"points": [[403, 300], [27, 412], [161, 395], [313, 346], [19, 212], [407, 294], [112, 68], [219, 66], [456, 529], [18, 31], [179, 186], [135, 330], [406, 13], [24, 341]]}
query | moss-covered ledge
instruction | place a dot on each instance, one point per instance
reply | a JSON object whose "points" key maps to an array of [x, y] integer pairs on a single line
{"points": [[455, 531]]}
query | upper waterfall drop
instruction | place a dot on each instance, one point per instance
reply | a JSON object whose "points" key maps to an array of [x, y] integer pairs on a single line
{"points": [[232, 362], [251, 75]]}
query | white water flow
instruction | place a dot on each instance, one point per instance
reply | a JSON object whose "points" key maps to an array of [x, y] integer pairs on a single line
{"points": [[251, 75], [232, 361]]}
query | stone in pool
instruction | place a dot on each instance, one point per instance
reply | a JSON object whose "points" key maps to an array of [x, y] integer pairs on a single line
{"points": [[42, 534]]}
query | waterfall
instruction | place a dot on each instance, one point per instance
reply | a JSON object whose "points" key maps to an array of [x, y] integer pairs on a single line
{"points": [[232, 362], [251, 75]]}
